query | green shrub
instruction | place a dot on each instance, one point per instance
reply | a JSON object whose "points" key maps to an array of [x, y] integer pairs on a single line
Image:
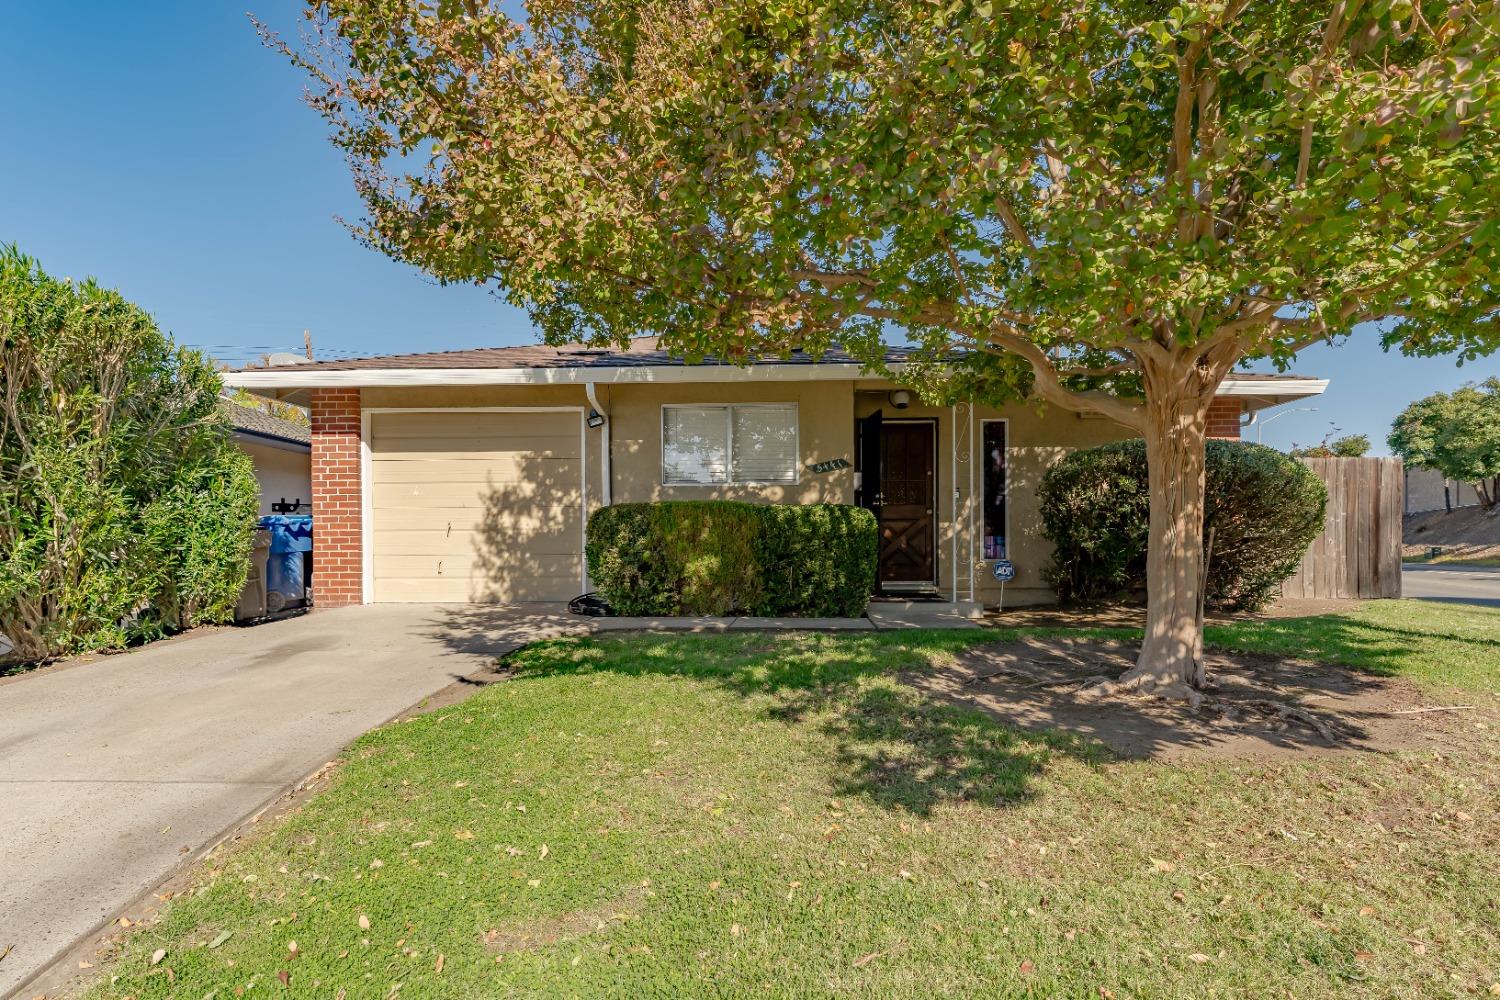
{"points": [[125, 507], [720, 557], [1264, 509]]}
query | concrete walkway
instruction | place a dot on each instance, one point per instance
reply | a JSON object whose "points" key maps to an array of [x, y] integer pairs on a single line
{"points": [[115, 773]]}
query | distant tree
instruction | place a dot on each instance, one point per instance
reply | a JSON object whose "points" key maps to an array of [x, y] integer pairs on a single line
{"points": [[1347, 446], [275, 407], [1456, 434], [1103, 205]]}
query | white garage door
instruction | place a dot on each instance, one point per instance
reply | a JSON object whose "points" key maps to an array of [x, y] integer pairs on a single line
{"points": [[477, 506]]}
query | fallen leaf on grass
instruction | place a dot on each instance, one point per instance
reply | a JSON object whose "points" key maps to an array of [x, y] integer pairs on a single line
{"points": [[221, 938], [284, 976], [1198, 957], [364, 922], [158, 955], [1027, 967], [438, 965], [463, 835], [1162, 866], [865, 960], [544, 851], [83, 964], [291, 947]]}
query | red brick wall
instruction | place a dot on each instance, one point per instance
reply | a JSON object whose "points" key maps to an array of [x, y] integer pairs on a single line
{"points": [[1223, 419], [338, 569]]}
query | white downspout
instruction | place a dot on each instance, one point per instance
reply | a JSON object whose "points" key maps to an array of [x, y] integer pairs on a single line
{"points": [[604, 473], [970, 505], [953, 510]]}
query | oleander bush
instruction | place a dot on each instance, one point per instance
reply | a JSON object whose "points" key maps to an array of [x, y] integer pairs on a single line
{"points": [[1263, 507], [126, 510], [720, 557]]}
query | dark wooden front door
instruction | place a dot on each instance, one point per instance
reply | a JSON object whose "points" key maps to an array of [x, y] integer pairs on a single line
{"points": [[907, 501]]}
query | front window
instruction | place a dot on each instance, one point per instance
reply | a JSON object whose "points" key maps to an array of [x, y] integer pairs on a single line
{"points": [[747, 443], [993, 465]]}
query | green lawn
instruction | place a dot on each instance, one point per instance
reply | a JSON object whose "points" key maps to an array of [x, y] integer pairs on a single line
{"points": [[775, 815]]}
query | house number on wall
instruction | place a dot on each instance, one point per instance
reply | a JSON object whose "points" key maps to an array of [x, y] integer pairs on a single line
{"points": [[832, 465]]}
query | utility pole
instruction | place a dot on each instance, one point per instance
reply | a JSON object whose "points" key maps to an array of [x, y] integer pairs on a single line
{"points": [[307, 342]]}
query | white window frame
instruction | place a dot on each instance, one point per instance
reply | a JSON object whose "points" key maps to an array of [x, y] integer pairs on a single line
{"points": [[729, 409]]}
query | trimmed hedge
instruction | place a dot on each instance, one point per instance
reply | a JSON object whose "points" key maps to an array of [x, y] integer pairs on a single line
{"points": [[720, 557], [1264, 507]]}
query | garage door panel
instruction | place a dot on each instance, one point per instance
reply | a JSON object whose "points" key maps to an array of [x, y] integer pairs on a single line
{"points": [[464, 567], [388, 427], [386, 495], [561, 538], [476, 506], [527, 447], [421, 590], [560, 472]]}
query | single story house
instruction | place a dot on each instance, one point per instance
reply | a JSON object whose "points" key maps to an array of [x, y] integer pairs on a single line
{"points": [[281, 451], [468, 475]]}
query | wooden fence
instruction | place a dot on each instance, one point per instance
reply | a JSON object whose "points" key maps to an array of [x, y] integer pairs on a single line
{"points": [[1358, 555]]}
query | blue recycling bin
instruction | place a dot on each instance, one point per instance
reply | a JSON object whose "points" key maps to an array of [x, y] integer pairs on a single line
{"points": [[291, 541]]}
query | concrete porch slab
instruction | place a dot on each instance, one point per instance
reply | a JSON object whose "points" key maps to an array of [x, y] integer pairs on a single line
{"points": [[888, 615]]}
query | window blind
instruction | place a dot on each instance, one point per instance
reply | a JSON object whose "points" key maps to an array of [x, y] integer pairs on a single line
{"points": [[764, 444], [695, 444]]}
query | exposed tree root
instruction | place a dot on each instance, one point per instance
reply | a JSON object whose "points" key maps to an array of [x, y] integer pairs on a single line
{"points": [[1284, 712]]}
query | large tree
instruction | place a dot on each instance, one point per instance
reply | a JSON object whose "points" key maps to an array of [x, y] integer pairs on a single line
{"points": [[1103, 205], [1456, 433]]}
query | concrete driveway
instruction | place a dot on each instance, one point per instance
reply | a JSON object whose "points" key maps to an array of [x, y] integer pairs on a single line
{"points": [[1451, 584], [115, 773]]}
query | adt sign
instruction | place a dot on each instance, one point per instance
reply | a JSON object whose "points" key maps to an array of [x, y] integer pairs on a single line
{"points": [[1005, 570]]}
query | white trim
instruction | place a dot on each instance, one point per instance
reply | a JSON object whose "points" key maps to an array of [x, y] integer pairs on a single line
{"points": [[606, 477], [293, 378], [366, 511], [729, 409], [367, 480], [1251, 386], [953, 507]]}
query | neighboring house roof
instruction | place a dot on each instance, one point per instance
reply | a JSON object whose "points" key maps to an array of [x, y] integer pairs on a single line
{"points": [[249, 421], [537, 364]]}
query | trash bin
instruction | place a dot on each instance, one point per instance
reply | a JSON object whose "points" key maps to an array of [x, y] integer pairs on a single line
{"points": [[252, 603], [291, 541]]}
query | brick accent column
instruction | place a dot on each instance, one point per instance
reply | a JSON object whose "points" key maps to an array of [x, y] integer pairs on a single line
{"points": [[338, 566], [1223, 419]]}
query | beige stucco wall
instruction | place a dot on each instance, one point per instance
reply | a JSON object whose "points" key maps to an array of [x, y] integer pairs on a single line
{"points": [[1037, 438], [825, 431], [281, 472]]}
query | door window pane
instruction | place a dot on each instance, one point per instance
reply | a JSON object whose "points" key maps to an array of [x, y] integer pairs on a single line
{"points": [[993, 465]]}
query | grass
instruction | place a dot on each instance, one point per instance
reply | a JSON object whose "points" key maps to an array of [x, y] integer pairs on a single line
{"points": [[776, 815]]}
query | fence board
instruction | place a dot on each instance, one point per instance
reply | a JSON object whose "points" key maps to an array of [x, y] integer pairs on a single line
{"points": [[1358, 552]]}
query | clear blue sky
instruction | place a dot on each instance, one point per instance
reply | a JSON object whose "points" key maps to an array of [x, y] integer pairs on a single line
{"points": [[160, 148]]}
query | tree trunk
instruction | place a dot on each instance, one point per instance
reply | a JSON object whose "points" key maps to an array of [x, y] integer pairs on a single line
{"points": [[1171, 655]]}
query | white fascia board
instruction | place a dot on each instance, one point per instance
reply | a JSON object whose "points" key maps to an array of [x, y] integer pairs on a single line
{"points": [[292, 378], [301, 378], [1279, 387]]}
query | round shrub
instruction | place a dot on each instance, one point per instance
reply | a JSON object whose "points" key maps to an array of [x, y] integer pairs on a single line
{"points": [[1264, 509]]}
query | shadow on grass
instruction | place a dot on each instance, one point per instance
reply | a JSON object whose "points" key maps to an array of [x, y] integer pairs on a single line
{"points": [[892, 744]]}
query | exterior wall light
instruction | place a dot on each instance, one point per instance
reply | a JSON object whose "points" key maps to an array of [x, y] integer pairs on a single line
{"points": [[900, 399]]}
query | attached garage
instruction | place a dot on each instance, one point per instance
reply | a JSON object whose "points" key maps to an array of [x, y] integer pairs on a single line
{"points": [[475, 505]]}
